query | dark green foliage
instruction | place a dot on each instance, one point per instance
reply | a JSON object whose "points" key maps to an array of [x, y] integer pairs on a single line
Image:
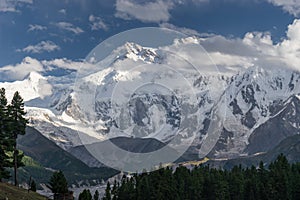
{"points": [[58, 183], [107, 192], [12, 124], [114, 189], [33, 170], [4, 174], [16, 113], [85, 195], [295, 182], [5, 143], [280, 180], [17, 125], [96, 195], [33, 186]]}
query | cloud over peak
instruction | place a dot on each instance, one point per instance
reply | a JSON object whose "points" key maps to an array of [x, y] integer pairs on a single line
{"points": [[259, 48], [20, 70]]}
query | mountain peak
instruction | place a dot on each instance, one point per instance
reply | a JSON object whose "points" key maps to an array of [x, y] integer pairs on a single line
{"points": [[133, 47], [137, 52], [34, 76]]}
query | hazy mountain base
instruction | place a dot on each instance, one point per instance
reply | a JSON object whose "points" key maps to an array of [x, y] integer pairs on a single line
{"points": [[49, 157], [134, 145], [289, 147]]}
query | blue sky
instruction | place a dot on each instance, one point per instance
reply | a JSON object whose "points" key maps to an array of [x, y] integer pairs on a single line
{"points": [[70, 29]]}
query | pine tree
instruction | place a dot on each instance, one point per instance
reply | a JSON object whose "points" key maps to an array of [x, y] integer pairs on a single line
{"points": [[96, 195], [279, 177], [58, 183], [85, 195], [5, 142], [263, 182], [107, 192], [17, 125], [33, 186], [114, 189], [295, 182], [280, 181], [236, 182], [251, 184], [4, 174]]}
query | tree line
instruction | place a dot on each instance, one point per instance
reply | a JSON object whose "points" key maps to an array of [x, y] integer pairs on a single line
{"points": [[280, 180], [12, 124], [59, 187]]}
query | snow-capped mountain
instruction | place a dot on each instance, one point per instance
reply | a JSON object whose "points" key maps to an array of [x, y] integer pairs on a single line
{"points": [[254, 99], [173, 100]]}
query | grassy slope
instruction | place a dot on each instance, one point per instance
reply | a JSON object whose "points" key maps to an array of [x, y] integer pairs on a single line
{"points": [[14, 193], [34, 169]]}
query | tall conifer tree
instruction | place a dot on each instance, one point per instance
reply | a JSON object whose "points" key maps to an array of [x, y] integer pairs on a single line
{"points": [[5, 143], [17, 126]]}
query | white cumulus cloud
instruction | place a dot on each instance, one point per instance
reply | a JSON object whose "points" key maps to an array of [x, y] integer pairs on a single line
{"points": [[258, 48], [63, 11], [184, 30], [36, 27], [69, 27], [41, 47], [157, 11], [12, 5], [63, 63], [20, 70], [97, 23], [291, 6], [28, 65], [235, 54]]}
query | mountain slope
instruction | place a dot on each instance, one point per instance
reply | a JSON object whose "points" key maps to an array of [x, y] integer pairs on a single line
{"points": [[11, 192], [290, 147], [115, 153], [135, 145], [279, 127], [255, 99], [49, 155]]}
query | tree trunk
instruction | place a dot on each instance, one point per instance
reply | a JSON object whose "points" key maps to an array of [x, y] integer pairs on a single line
{"points": [[15, 164]]}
